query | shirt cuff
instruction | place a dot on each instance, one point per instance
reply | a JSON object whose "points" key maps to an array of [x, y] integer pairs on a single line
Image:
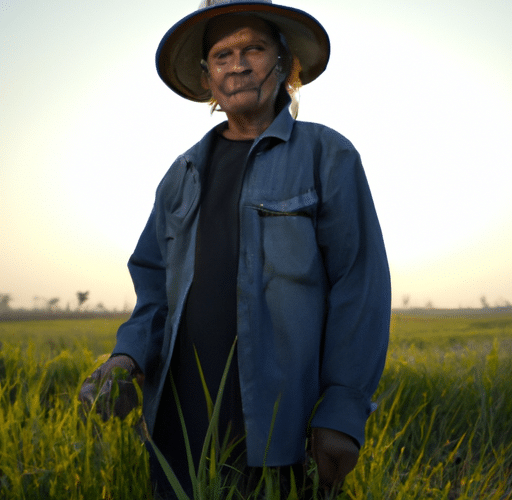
{"points": [[344, 410]]}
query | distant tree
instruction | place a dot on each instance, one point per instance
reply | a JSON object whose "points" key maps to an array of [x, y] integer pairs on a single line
{"points": [[429, 305], [483, 301], [5, 298], [100, 307], [405, 300], [82, 297], [501, 302], [52, 303]]}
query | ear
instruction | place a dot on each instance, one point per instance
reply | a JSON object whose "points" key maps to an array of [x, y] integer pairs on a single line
{"points": [[281, 74], [205, 83], [285, 65]]}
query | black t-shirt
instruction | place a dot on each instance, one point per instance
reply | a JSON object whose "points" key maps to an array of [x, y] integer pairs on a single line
{"points": [[209, 321]]}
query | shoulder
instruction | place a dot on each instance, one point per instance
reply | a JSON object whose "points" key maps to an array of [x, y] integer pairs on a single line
{"points": [[330, 151], [321, 134], [191, 161]]}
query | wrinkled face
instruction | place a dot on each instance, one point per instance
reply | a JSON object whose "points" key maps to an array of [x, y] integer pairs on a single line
{"points": [[242, 63]]}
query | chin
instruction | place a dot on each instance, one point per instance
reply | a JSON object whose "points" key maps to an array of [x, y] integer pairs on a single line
{"points": [[243, 103]]}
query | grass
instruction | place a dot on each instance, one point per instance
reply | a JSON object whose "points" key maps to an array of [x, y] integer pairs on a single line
{"points": [[441, 431]]}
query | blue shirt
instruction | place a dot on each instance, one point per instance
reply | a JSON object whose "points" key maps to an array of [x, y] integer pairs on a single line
{"points": [[313, 291]]}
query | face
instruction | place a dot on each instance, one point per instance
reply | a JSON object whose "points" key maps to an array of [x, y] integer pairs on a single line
{"points": [[242, 63]]}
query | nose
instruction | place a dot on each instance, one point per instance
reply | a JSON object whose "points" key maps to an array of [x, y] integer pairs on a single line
{"points": [[240, 64]]}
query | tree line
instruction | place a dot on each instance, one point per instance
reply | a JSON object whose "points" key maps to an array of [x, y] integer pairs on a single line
{"points": [[52, 304]]}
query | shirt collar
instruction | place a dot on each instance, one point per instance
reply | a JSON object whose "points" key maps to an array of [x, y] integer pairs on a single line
{"points": [[280, 128], [282, 125]]}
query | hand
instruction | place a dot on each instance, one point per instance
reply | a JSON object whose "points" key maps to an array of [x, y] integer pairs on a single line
{"points": [[335, 454], [98, 387]]}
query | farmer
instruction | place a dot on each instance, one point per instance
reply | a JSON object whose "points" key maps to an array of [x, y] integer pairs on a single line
{"points": [[265, 230]]}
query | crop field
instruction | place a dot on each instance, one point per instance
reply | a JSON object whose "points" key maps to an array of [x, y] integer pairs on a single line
{"points": [[442, 430]]}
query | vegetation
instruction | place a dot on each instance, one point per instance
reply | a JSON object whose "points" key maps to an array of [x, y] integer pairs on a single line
{"points": [[441, 431]]}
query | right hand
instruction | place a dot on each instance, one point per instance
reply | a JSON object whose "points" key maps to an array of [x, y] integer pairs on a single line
{"points": [[97, 388], [335, 454]]}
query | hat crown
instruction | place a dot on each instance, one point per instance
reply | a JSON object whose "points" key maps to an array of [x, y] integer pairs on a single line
{"points": [[181, 49], [214, 3]]}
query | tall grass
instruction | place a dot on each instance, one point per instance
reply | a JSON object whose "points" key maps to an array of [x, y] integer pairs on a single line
{"points": [[48, 449], [442, 429]]}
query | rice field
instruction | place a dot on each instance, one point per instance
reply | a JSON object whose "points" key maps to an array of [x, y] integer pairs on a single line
{"points": [[442, 430]]}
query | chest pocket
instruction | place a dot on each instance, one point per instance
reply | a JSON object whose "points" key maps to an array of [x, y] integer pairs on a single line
{"points": [[303, 205], [288, 238]]}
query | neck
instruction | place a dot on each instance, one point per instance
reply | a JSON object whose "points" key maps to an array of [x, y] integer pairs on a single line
{"points": [[247, 126]]}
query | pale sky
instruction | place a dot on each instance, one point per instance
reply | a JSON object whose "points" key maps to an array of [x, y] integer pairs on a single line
{"points": [[87, 130]]}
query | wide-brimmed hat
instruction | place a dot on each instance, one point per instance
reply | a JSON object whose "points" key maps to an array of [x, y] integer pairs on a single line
{"points": [[180, 52]]}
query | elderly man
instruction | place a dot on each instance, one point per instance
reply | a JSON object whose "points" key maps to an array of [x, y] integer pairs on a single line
{"points": [[265, 230]]}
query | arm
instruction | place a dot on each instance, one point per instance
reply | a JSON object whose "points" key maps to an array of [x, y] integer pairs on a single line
{"points": [[147, 321], [146, 324], [357, 327]]}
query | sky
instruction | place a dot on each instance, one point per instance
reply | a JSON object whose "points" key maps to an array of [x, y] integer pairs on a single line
{"points": [[87, 130]]}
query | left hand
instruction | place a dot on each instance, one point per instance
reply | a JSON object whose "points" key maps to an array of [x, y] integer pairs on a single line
{"points": [[98, 387], [335, 454]]}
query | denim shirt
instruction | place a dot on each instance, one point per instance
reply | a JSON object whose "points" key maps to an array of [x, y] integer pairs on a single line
{"points": [[313, 292]]}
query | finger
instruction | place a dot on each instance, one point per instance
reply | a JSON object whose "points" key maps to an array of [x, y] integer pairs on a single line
{"points": [[103, 400], [313, 447], [87, 393], [106, 388], [127, 400], [327, 470], [139, 377]]}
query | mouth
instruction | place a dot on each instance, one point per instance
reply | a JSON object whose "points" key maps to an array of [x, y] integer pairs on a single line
{"points": [[239, 86], [243, 90]]}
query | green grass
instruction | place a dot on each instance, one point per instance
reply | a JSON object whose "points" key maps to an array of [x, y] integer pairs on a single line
{"points": [[51, 337], [442, 429]]}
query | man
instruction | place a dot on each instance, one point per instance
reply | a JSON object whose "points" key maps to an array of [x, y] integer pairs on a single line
{"points": [[265, 231]]}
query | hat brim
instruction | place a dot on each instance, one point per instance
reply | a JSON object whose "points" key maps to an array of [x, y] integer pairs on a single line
{"points": [[181, 49]]}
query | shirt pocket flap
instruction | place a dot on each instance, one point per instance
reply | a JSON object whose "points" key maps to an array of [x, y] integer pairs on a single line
{"points": [[301, 205]]}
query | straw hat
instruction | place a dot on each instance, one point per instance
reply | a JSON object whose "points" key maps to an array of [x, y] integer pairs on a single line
{"points": [[181, 49]]}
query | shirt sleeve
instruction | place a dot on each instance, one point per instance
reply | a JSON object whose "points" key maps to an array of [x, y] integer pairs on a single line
{"points": [[146, 324], [359, 302]]}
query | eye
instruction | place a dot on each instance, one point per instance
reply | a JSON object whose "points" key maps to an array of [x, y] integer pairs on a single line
{"points": [[255, 48], [222, 55]]}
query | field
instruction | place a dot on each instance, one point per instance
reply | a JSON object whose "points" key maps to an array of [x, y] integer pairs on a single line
{"points": [[442, 429]]}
